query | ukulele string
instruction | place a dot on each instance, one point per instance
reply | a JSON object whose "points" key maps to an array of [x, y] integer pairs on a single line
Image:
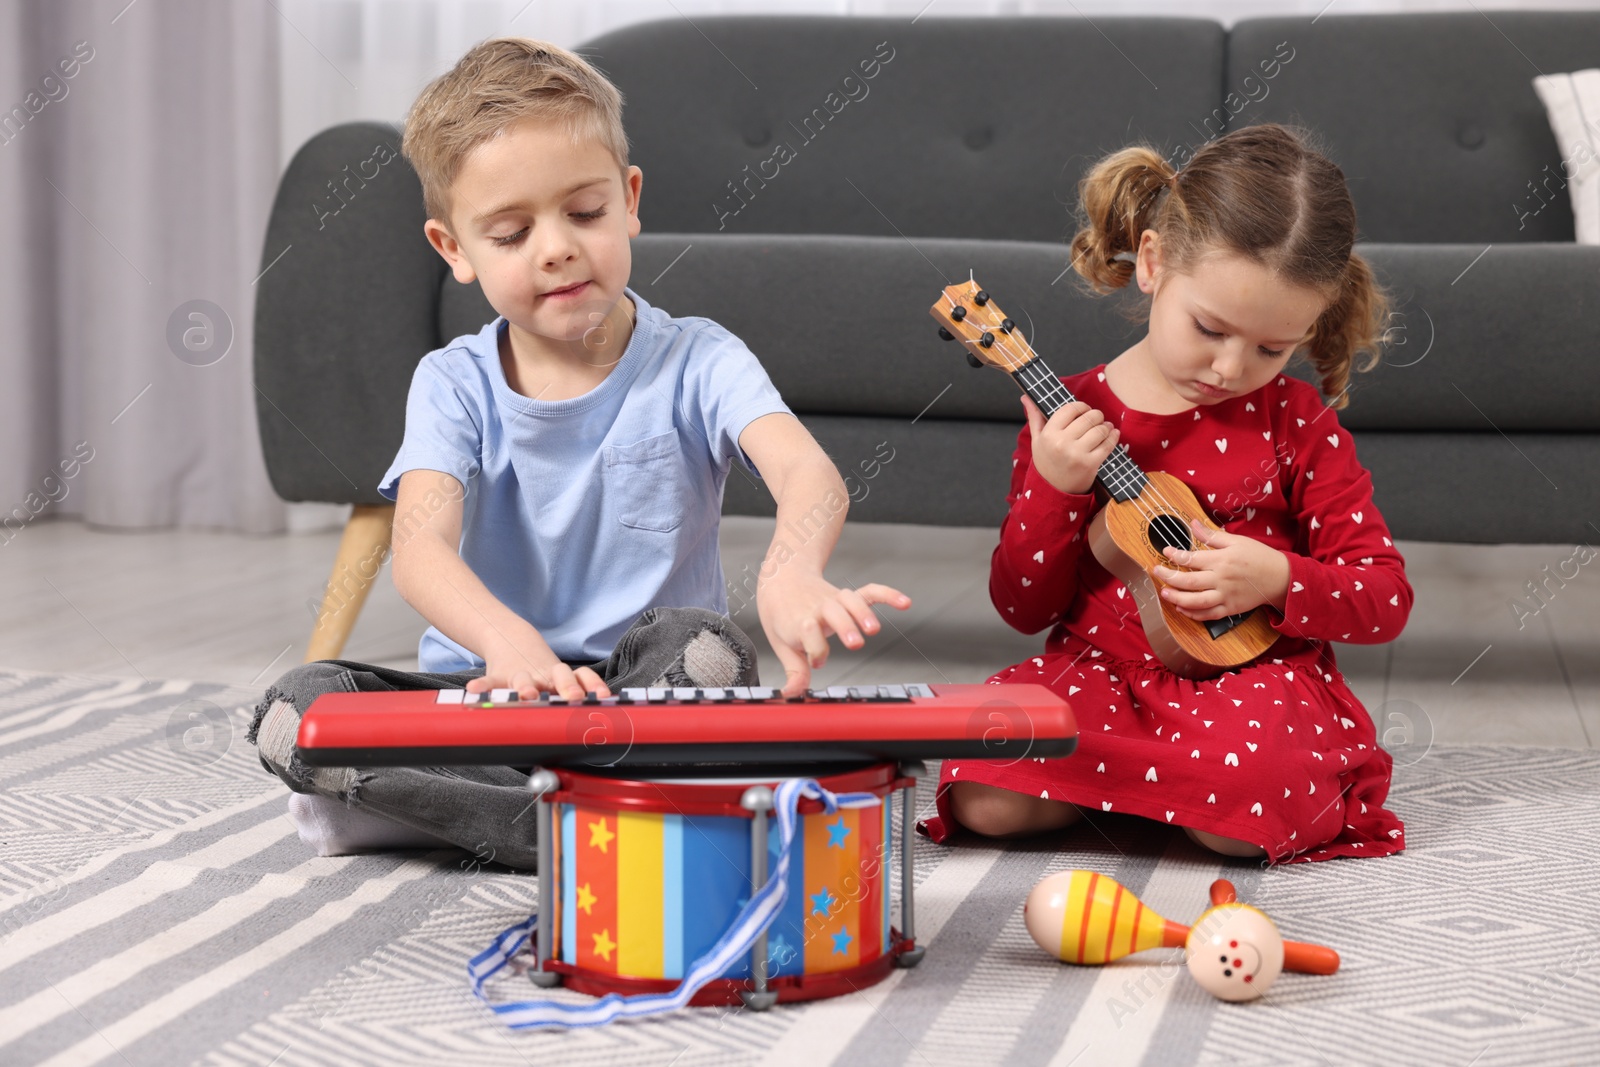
{"points": [[1121, 480], [1052, 390]]}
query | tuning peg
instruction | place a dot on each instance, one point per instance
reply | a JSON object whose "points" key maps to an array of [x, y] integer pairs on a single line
{"points": [[974, 360], [946, 334], [958, 313], [980, 298], [987, 340], [1007, 325]]}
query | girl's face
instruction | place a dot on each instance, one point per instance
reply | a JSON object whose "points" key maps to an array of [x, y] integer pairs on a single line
{"points": [[1224, 329]]}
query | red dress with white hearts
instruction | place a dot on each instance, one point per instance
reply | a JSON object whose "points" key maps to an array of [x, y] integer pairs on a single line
{"points": [[1279, 753]]}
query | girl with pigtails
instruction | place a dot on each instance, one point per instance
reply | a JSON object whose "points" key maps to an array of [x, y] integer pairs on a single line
{"points": [[1245, 258]]}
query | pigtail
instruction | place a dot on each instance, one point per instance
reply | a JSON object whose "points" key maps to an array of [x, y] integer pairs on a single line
{"points": [[1356, 321], [1119, 197]]}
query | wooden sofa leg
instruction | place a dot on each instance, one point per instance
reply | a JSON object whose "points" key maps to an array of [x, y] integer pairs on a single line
{"points": [[361, 554]]}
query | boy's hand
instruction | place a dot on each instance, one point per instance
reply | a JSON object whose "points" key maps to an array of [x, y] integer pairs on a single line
{"points": [[531, 668], [1236, 573], [1069, 448], [800, 609]]}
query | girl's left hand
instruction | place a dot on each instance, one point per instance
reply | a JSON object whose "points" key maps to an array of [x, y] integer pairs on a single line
{"points": [[1234, 573]]}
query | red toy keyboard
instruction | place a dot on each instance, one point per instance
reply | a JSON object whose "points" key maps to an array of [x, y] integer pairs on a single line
{"points": [[662, 727]]}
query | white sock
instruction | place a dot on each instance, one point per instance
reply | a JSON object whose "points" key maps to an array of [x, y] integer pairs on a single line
{"points": [[332, 829]]}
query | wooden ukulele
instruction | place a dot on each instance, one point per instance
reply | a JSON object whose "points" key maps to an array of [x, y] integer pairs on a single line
{"points": [[1142, 512]]}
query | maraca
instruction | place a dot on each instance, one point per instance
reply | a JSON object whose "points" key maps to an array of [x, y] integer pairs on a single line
{"points": [[1233, 950]]}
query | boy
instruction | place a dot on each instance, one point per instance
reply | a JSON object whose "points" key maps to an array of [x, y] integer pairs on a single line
{"points": [[560, 483]]}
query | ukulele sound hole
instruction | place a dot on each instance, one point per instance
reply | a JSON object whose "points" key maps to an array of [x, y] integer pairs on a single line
{"points": [[1170, 530]]}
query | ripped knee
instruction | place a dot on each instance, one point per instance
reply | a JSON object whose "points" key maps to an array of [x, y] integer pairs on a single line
{"points": [[276, 729], [276, 726], [719, 654]]}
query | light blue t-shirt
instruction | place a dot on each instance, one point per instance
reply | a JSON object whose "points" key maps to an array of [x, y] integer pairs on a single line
{"points": [[580, 514]]}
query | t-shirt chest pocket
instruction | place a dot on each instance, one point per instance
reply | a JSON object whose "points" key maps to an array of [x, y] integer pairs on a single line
{"points": [[645, 480]]}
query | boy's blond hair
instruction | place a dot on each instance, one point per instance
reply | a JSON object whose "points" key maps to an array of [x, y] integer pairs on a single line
{"points": [[497, 83]]}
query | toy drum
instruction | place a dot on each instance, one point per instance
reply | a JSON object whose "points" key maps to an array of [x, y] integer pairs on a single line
{"points": [[647, 874]]}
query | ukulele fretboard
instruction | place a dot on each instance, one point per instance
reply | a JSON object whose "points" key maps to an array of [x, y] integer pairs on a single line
{"points": [[1119, 474]]}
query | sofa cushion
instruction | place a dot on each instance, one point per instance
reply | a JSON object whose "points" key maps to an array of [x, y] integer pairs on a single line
{"points": [[841, 325], [1432, 117], [966, 128], [1502, 344]]}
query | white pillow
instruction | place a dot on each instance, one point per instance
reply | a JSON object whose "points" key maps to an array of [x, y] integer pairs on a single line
{"points": [[1572, 101]]}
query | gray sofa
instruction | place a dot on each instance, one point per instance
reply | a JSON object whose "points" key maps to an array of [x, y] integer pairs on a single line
{"points": [[955, 145]]}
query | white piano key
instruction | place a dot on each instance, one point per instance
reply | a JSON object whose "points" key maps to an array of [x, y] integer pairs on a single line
{"points": [[715, 694], [638, 694], [762, 692], [451, 696], [742, 692], [685, 692], [502, 696], [838, 692], [657, 693]]}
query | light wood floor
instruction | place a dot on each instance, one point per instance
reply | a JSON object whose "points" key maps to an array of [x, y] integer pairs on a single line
{"points": [[227, 608]]}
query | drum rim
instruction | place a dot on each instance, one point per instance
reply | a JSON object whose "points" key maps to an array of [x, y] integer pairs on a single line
{"points": [[670, 796]]}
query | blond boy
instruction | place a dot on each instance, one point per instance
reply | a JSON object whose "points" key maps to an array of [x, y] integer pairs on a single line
{"points": [[559, 488]]}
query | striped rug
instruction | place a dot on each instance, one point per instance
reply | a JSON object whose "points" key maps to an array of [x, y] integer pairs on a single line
{"points": [[156, 907]]}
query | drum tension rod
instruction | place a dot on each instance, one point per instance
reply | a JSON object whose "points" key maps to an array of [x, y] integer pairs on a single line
{"points": [[912, 769], [758, 801], [544, 782]]}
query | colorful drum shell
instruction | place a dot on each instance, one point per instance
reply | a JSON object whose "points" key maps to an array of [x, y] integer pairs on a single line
{"points": [[653, 872]]}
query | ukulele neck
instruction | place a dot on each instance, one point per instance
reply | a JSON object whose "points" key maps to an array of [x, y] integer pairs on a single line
{"points": [[1119, 475]]}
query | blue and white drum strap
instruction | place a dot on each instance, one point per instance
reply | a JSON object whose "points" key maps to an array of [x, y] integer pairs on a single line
{"points": [[750, 923]]}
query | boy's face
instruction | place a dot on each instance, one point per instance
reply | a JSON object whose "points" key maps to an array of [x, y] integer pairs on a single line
{"points": [[1230, 323], [543, 225]]}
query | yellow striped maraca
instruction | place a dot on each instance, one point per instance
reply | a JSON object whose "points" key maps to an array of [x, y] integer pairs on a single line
{"points": [[1088, 917]]}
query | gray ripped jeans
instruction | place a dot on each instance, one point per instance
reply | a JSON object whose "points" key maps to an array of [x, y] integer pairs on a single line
{"points": [[484, 809]]}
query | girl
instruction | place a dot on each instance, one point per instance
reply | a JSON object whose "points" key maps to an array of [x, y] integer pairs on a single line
{"points": [[1246, 260]]}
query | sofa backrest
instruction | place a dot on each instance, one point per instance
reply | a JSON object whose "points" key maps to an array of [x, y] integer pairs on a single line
{"points": [[957, 127], [343, 316], [1432, 117]]}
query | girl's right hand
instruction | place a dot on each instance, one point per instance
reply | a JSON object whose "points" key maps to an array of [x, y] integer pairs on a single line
{"points": [[1069, 448]]}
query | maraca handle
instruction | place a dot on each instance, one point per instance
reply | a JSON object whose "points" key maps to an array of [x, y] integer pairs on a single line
{"points": [[1309, 959]]}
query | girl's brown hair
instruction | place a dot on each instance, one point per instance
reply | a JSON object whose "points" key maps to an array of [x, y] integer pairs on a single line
{"points": [[1261, 192]]}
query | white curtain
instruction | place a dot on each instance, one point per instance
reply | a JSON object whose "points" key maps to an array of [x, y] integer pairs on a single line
{"points": [[140, 148], [136, 174]]}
